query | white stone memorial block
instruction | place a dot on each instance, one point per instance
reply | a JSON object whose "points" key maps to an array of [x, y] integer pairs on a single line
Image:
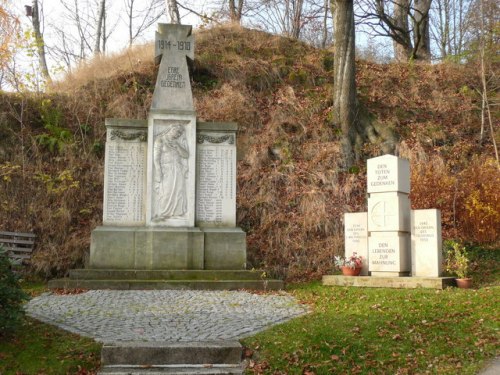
{"points": [[171, 170], [356, 237], [426, 243], [125, 173], [388, 173], [389, 253], [388, 212], [216, 179]]}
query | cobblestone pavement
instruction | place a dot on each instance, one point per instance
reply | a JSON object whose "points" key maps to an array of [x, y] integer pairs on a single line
{"points": [[164, 315]]}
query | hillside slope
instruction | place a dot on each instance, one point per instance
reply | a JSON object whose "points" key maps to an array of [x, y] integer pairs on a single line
{"points": [[292, 189]]}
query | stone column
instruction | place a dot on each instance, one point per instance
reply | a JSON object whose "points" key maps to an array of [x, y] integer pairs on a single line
{"points": [[389, 220]]}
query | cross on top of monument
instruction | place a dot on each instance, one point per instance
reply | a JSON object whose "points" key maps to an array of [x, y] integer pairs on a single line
{"points": [[174, 44], [173, 39]]}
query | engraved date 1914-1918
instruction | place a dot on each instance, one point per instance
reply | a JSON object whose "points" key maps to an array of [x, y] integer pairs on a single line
{"points": [[180, 45]]}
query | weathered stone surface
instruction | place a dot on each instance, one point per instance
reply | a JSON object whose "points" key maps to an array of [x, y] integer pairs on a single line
{"points": [[171, 353], [134, 274], [389, 282], [174, 44], [164, 315], [388, 173], [171, 170], [225, 248], [264, 284], [356, 237], [426, 243], [146, 248]]}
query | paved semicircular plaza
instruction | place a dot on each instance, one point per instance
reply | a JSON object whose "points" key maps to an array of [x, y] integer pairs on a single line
{"points": [[164, 315]]}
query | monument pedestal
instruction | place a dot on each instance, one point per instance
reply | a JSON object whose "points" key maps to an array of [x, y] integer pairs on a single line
{"points": [[146, 248]]}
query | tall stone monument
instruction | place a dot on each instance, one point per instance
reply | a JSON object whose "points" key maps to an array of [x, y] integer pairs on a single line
{"points": [[169, 192]]}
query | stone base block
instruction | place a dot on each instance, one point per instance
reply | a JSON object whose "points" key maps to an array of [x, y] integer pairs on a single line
{"points": [[146, 248], [225, 249], [389, 282], [389, 274]]}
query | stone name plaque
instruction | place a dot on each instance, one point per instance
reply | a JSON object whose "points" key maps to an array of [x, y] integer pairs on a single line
{"points": [[125, 177], [216, 180], [356, 237], [426, 243]]}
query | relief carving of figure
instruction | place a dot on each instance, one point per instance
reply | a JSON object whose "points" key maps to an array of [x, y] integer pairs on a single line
{"points": [[170, 152]]}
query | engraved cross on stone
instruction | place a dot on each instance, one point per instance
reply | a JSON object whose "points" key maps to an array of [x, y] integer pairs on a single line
{"points": [[174, 44]]}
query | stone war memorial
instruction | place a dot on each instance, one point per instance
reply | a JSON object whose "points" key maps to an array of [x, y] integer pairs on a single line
{"points": [[169, 211], [400, 247]]}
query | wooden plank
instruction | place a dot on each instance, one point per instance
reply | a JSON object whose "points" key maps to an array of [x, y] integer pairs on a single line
{"points": [[18, 249], [18, 234], [20, 242], [19, 256]]}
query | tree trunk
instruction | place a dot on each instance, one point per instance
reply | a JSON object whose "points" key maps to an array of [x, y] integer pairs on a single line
{"points": [[345, 105], [297, 19], [173, 11], [35, 18], [354, 121], [324, 37], [100, 18], [421, 41], [402, 41], [235, 11]]}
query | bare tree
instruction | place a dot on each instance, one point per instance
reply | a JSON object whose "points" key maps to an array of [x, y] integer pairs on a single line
{"points": [[99, 28], [449, 26], [235, 10], [392, 18], [173, 11], [40, 44], [288, 17], [145, 16]]}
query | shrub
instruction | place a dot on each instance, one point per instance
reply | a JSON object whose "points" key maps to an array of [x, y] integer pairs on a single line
{"points": [[11, 297], [457, 259]]}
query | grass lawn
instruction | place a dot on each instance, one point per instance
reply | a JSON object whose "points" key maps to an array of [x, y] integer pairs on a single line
{"points": [[38, 348], [349, 331], [382, 331]]}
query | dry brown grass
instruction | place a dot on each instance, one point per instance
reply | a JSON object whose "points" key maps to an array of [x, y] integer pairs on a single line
{"points": [[292, 190]]}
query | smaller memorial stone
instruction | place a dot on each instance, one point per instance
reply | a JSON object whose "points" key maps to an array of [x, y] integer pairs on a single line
{"points": [[388, 173], [356, 237], [426, 243]]}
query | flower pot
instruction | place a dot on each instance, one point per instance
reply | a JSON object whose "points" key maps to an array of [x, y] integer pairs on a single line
{"points": [[348, 271], [464, 283]]}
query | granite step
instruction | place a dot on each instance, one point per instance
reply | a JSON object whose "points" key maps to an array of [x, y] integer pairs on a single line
{"points": [[204, 358], [185, 370], [113, 274], [68, 283]]}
